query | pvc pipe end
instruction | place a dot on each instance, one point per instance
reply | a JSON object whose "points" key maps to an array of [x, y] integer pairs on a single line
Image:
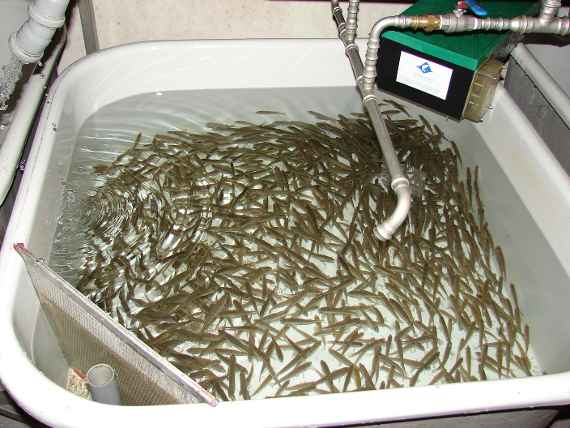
{"points": [[45, 20], [100, 375]]}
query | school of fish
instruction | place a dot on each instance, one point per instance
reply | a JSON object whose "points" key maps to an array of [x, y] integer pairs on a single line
{"points": [[245, 256]]}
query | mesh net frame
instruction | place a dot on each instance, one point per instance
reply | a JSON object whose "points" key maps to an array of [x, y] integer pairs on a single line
{"points": [[87, 336]]}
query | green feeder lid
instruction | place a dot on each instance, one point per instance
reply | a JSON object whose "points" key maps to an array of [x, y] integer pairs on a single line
{"points": [[467, 50]]}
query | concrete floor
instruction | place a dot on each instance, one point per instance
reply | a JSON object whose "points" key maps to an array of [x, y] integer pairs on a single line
{"points": [[13, 417]]}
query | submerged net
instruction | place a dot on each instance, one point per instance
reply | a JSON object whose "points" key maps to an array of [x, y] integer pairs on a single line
{"points": [[87, 336], [245, 256]]}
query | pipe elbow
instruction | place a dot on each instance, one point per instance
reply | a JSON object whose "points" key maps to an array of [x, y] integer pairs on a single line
{"points": [[29, 42], [386, 229]]}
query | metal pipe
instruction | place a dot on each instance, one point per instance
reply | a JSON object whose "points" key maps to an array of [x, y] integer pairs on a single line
{"points": [[352, 20], [427, 23], [399, 183], [549, 10], [339, 19], [103, 384]]}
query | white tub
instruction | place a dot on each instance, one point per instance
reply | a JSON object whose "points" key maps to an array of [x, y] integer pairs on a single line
{"points": [[17, 121], [519, 174]]}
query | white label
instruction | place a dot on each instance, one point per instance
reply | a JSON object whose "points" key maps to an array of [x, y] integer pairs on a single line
{"points": [[427, 76]]}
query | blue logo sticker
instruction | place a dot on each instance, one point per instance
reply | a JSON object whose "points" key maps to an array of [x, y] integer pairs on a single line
{"points": [[425, 68]]}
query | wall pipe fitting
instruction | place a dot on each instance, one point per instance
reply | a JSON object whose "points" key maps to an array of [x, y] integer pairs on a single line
{"points": [[29, 42], [400, 184], [352, 20]]}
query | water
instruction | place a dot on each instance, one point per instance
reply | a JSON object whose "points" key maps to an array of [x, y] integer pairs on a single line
{"points": [[111, 131], [9, 76]]}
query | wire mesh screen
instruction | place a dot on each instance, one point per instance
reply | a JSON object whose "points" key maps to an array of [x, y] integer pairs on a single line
{"points": [[87, 336]]}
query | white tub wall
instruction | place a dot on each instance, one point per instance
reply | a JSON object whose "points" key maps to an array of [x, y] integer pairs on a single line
{"points": [[555, 59], [101, 84]]}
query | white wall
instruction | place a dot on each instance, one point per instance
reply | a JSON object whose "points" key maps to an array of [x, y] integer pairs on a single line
{"points": [[133, 20], [124, 21]]}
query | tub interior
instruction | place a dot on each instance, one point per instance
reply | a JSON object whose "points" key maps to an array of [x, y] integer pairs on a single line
{"points": [[539, 272], [530, 260]]}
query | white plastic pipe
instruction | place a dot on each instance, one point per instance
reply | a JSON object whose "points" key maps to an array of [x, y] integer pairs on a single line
{"points": [[553, 93], [103, 384], [31, 39], [21, 122]]}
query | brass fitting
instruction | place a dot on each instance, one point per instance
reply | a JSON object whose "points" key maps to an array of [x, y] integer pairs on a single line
{"points": [[428, 23]]}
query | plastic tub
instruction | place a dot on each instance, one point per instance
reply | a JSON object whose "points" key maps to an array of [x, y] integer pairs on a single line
{"points": [[526, 193]]}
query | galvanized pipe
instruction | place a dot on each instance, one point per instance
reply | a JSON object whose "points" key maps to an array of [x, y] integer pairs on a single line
{"points": [[549, 10], [400, 184], [365, 74], [352, 20]]}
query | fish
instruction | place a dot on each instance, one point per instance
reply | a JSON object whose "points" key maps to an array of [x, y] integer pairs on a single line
{"points": [[253, 244]]}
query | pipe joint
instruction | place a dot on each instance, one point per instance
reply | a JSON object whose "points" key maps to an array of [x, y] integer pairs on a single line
{"points": [[46, 20], [386, 229], [368, 96], [427, 23], [29, 42], [549, 10]]}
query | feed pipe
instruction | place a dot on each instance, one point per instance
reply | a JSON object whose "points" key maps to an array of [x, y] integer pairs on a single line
{"points": [[549, 10], [400, 184], [546, 23]]}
